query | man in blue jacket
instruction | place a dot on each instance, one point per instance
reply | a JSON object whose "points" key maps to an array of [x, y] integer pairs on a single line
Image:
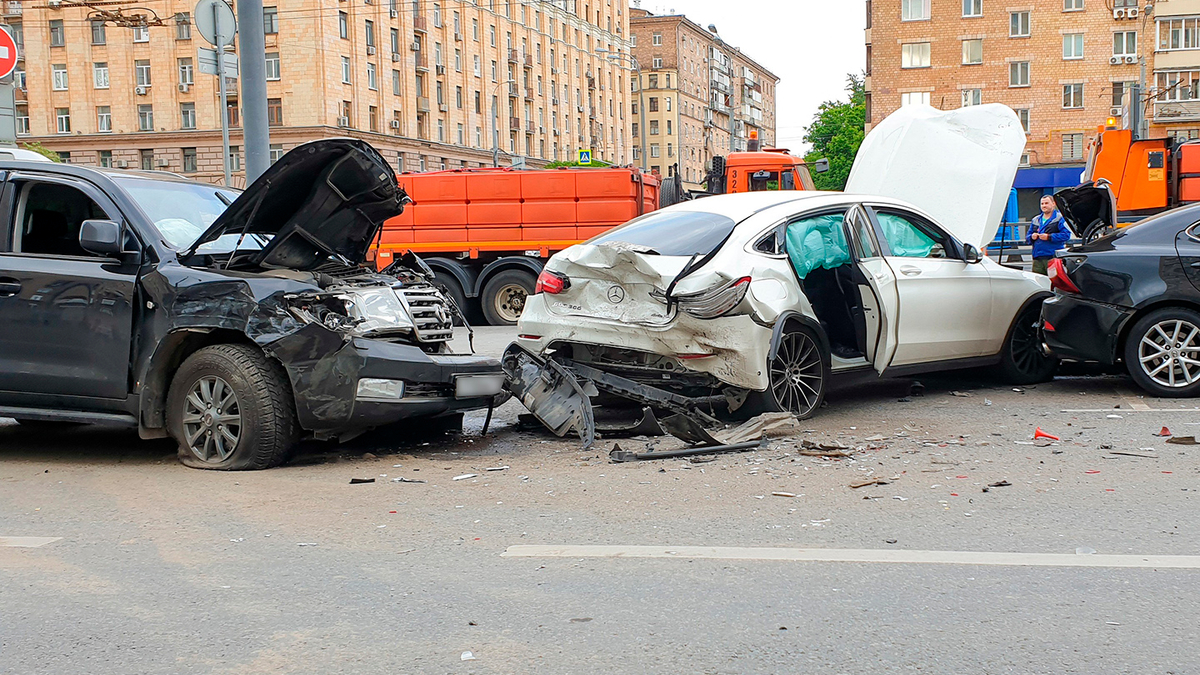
{"points": [[1048, 233]]}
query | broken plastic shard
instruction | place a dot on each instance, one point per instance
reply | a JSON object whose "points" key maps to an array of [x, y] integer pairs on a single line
{"points": [[1084, 550], [551, 393], [467, 656], [360, 481], [1182, 440], [465, 476]]}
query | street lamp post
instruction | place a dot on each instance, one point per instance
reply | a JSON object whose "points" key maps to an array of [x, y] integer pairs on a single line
{"points": [[496, 122], [637, 69]]}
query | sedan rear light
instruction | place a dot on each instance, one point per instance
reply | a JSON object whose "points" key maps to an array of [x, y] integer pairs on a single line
{"points": [[715, 302], [551, 282], [1059, 279]]}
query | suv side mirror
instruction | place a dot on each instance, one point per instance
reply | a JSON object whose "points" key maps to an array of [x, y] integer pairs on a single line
{"points": [[820, 166], [102, 237], [971, 254]]}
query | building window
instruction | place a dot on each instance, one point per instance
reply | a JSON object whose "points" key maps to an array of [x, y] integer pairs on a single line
{"points": [[1119, 90], [142, 69], [98, 36], [141, 34], [653, 106], [346, 70], [347, 118], [1073, 46], [99, 76], [106, 159], [657, 39], [1073, 95], [437, 14], [187, 115], [1018, 74], [972, 52], [395, 83], [270, 20], [104, 119], [1177, 85], [1072, 147], [1072, 5], [370, 32], [231, 111], [58, 75], [272, 65], [1023, 115], [658, 62], [1183, 134], [914, 10], [147, 159], [145, 117], [275, 112], [914, 97], [343, 26], [461, 135], [914, 55], [235, 158], [57, 37], [972, 97], [63, 116], [19, 79], [373, 118], [1125, 43], [183, 26], [654, 152], [653, 127], [371, 83], [1179, 34], [1018, 24], [186, 71], [189, 160], [972, 8], [23, 120], [276, 151]]}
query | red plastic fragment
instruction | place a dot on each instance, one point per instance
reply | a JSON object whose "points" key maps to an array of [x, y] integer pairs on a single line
{"points": [[1038, 434]]}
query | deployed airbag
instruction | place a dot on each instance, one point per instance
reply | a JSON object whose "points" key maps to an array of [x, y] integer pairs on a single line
{"points": [[818, 242], [905, 240]]}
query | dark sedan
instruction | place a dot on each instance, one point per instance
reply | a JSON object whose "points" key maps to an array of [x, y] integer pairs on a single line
{"points": [[1133, 296]]}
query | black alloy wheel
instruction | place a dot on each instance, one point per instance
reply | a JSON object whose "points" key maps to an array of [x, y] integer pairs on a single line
{"points": [[1023, 360]]}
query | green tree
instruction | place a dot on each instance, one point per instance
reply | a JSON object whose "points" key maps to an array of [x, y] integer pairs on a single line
{"points": [[43, 150], [596, 164], [835, 134]]}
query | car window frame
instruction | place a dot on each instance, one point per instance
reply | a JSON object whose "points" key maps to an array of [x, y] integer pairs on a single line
{"points": [[853, 239], [954, 250], [11, 206]]}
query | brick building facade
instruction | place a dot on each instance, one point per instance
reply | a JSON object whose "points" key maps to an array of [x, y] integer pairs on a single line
{"points": [[703, 97], [1063, 65], [418, 79]]}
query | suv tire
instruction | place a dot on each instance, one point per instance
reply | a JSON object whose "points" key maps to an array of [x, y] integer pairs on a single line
{"points": [[1157, 364], [231, 408], [1022, 360], [798, 376]]}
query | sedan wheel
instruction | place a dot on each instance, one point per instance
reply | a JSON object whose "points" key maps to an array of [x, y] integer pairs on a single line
{"points": [[797, 377], [1023, 361], [1162, 352], [212, 420]]}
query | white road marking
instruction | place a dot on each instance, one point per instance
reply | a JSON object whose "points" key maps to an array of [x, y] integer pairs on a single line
{"points": [[858, 556], [26, 542], [1121, 411]]}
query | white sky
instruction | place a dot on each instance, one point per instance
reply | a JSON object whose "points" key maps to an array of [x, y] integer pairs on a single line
{"points": [[809, 44]]}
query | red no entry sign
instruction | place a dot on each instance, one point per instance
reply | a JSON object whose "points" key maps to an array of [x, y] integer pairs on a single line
{"points": [[8, 54]]}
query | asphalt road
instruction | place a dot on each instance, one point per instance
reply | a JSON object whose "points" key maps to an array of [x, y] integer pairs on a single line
{"points": [[156, 568]]}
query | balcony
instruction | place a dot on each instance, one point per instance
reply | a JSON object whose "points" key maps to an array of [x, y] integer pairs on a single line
{"points": [[513, 56], [1177, 111], [420, 25], [529, 127], [421, 61], [528, 93], [513, 90], [422, 104], [529, 60], [514, 123], [591, 81]]}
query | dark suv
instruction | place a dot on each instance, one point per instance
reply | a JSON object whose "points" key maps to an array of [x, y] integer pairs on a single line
{"points": [[237, 323]]}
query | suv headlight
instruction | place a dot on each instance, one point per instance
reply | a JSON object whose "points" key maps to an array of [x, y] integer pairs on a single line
{"points": [[714, 302]]}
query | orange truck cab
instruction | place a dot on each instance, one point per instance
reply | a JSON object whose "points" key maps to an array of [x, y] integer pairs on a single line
{"points": [[771, 169]]}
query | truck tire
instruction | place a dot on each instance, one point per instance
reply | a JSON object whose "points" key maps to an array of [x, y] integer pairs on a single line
{"points": [[231, 408], [668, 192], [504, 295]]}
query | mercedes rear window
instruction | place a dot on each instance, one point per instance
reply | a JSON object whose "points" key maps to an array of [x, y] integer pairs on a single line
{"points": [[674, 233]]}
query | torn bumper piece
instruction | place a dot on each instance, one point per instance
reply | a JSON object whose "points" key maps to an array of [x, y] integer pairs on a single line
{"points": [[558, 392]]}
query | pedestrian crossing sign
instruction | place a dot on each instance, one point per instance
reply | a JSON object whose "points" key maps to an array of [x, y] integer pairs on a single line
{"points": [[585, 157]]}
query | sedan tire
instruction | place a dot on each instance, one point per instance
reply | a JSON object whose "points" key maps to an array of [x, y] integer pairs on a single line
{"points": [[798, 376], [1162, 352], [231, 408], [1023, 360]]}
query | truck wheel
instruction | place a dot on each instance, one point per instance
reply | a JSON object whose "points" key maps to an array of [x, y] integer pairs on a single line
{"points": [[504, 296], [231, 408], [668, 192], [797, 378], [1162, 352]]}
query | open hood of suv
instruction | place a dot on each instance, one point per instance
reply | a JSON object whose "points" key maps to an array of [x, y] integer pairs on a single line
{"points": [[958, 166], [323, 198], [1087, 209]]}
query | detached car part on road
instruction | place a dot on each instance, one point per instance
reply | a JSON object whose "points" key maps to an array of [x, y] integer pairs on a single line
{"points": [[1132, 296], [750, 303], [235, 323]]}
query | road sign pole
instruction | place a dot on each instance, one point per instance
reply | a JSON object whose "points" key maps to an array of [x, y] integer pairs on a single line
{"points": [[252, 50], [224, 105]]}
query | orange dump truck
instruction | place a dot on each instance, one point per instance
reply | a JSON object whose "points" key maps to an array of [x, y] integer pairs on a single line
{"points": [[487, 232]]}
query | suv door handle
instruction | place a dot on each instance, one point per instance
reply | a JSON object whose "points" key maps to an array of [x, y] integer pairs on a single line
{"points": [[910, 271], [9, 287]]}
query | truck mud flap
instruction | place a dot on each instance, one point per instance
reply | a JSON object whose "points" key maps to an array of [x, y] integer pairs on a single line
{"points": [[551, 393]]}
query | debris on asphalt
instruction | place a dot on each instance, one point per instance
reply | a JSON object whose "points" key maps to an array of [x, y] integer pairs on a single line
{"points": [[916, 389], [1165, 432], [865, 483], [497, 468], [307, 543], [987, 401], [1000, 483], [465, 476], [467, 656], [824, 449], [360, 481], [617, 455], [1039, 434], [782, 494], [582, 619], [1182, 440], [402, 479], [961, 394], [1084, 550], [1114, 417], [1132, 454]]}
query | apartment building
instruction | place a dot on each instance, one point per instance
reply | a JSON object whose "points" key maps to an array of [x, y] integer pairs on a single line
{"points": [[702, 96], [1063, 65], [429, 83], [1174, 107]]}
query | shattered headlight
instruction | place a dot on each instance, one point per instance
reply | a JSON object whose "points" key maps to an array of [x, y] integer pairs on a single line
{"points": [[327, 311], [714, 302], [378, 310]]}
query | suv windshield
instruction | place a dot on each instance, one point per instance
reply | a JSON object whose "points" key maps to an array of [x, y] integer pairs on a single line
{"points": [[181, 211], [681, 233]]}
